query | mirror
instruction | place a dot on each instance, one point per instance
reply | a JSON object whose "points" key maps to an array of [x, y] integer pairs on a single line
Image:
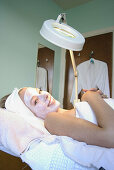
{"points": [[44, 68]]}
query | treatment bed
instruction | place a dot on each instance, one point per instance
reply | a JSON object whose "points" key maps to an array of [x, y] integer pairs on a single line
{"points": [[11, 162], [26, 144]]}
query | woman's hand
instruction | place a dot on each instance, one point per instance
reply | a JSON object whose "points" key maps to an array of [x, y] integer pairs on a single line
{"points": [[91, 93]]}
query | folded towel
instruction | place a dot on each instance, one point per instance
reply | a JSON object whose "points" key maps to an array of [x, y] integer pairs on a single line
{"points": [[16, 132], [15, 104], [84, 111]]}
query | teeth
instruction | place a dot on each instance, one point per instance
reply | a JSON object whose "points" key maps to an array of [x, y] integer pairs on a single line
{"points": [[50, 100]]}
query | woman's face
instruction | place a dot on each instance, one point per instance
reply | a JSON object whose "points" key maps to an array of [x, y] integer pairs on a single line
{"points": [[39, 102]]}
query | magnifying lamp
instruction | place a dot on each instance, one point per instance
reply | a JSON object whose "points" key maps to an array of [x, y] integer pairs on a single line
{"points": [[64, 36]]}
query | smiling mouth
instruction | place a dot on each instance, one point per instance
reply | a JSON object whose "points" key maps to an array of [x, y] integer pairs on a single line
{"points": [[51, 101]]}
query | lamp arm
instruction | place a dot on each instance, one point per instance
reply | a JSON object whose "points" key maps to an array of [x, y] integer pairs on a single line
{"points": [[75, 75], [61, 17]]}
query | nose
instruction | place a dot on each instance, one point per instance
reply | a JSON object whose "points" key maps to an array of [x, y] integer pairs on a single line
{"points": [[43, 97], [46, 96]]}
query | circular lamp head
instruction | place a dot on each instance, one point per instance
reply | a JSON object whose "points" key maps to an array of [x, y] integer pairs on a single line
{"points": [[62, 35]]}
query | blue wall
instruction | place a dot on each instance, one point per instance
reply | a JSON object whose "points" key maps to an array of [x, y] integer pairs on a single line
{"points": [[94, 15], [20, 23]]}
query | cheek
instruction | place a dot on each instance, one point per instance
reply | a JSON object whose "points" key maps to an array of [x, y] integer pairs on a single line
{"points": [[54, 107], [40, 111], [57, 104], [40, 108]]}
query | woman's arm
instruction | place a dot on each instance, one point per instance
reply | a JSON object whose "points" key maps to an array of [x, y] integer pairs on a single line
{"points": [[104, 113], [82, 130], [67, 112]]}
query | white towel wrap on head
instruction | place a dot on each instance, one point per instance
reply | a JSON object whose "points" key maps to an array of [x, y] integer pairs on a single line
{"points": [[15, 104]]}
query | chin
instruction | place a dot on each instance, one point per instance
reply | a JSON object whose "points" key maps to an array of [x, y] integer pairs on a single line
{"points": [[57, 105]]}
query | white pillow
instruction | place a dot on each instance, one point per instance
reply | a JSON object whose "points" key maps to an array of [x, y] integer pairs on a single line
{"points": [[16, 131], [2, 147]]}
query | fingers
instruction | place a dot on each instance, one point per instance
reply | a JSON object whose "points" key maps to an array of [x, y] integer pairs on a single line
{"points": [[94, 90], [100, 92], [84, 90], [104, 96]]}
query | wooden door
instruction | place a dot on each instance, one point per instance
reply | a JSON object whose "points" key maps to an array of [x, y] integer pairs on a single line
{"points": [[101, 45], [45, 59]]}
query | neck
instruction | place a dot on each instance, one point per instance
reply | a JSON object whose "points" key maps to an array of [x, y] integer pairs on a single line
{"points": [[60, 110]]}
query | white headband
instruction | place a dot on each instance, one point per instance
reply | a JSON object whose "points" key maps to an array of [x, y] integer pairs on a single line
{"points": [[15, 104]]}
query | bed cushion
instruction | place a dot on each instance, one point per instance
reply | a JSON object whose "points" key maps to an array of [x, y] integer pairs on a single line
{"points": [[16, 131]]}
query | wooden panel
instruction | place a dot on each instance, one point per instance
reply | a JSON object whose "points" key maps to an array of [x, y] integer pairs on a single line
{"points": [[9, 162], [101, 45], [46, 60]]}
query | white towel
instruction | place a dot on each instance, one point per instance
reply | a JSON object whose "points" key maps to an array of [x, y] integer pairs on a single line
{"points": [[41, 78], [48, 155], [88, 155], [16, 134], [84, 111], [84, 154], [15, 104], [17, 131]]}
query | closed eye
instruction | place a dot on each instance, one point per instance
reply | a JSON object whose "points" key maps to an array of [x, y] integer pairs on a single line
{"points": [[35, 102]]}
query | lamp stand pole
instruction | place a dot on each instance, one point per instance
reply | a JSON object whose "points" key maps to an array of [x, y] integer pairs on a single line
{"points": [[75, 75]]}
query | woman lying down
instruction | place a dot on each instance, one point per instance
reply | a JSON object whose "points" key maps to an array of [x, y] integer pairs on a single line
{"points": [[66, 139]]}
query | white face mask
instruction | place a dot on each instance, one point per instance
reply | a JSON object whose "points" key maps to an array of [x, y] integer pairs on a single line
{"points": [[29, 93], [40, 102]]}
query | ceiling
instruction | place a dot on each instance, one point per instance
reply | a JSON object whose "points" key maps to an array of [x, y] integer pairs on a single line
{"points": [[67, 4]]}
